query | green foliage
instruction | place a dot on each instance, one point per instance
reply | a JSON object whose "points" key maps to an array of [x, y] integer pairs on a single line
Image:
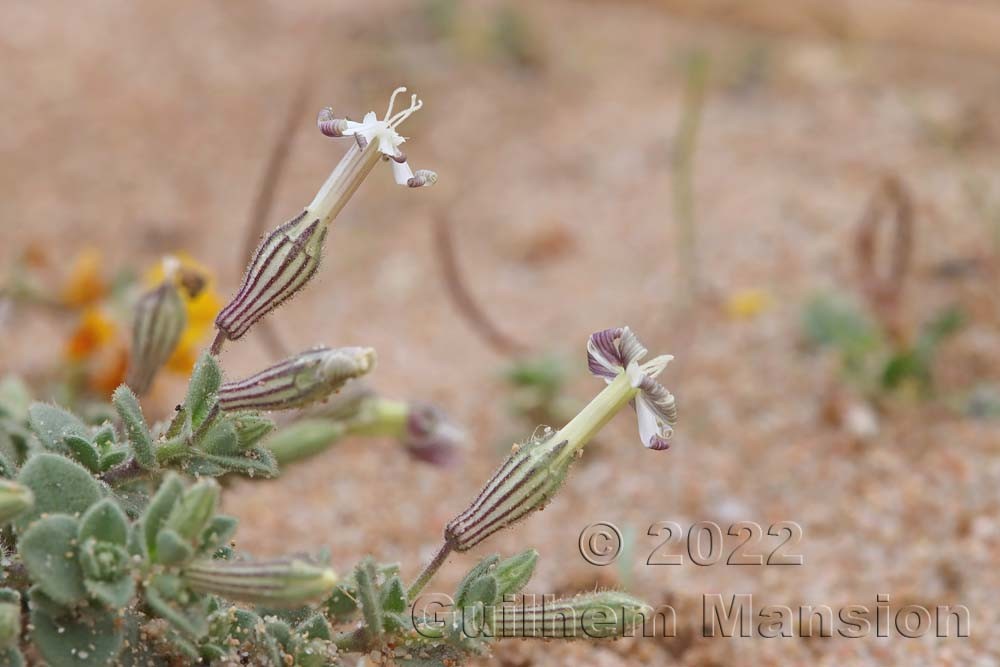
{"points": [[201, 395], [870, 358], [49, 550], [52, 424], [58, 485], [139, 437], [84, 639]]}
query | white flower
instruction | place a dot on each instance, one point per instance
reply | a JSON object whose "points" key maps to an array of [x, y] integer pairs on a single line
{"points": [[615, 351], [388, 140]]}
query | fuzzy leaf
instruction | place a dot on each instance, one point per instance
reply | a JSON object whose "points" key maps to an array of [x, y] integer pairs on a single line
{"points": [[83, 451], [159, 509], [515, 572], [194, 510], [365, 576], [11, 657], [171, 548], [187, 616], [217, 533], [10, 624], [105, 522], [256, 462], [314, 627], [49, 551], [94, 639], [115, 594], [52, 424], [220, 439], [205, 381], [393, 596], [251, 428], [483, 590], [342, 603], [59, 485], [481, 568], [104, 437], [112, 458], [130, 412]]}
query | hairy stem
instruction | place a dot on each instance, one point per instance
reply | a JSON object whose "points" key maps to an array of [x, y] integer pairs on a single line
{"points": [[429, 571]]}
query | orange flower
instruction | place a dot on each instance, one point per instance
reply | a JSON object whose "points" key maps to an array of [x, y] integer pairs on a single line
{"points": [[94, 331], [86, 284]]}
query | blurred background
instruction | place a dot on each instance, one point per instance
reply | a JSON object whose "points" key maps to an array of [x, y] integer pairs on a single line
{"points": [[798, 199]]}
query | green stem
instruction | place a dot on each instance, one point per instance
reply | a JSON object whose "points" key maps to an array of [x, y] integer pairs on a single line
{"points": [[594, 416], [380, 417], [429, 571]]}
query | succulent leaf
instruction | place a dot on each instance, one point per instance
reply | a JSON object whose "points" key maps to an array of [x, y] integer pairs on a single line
{"points": [[15, 499], [106, 522], [159, 509], [139, 438], [49, 551], [90, 640], [205, 381], [52, 424], [58, 485], [83, 451]]}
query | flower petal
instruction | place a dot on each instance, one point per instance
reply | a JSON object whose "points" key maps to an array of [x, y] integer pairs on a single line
{"points": [[401, 172], [654, 433], [659, 400]]}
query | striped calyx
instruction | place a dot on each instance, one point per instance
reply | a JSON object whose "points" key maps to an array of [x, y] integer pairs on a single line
{"points": [[285, 582], [159, 321], [524, 483], [297, 381], [603, 615], [283, 264]]}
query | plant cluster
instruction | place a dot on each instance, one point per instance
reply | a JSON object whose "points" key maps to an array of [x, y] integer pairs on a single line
{"points": [[114, 549]]}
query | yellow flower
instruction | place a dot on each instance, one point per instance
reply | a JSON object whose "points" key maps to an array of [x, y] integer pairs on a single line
{"points": [[86, 283], [202, 303], [746, 304]]}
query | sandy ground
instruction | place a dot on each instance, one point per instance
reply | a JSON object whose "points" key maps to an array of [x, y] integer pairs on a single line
{"points": [[142, 128]]}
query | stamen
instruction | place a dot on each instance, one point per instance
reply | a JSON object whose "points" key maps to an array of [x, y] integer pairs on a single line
{"points": [[415, 105], [392, 100]]}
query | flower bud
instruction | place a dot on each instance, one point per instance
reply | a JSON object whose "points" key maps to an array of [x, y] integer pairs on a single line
{"points": [[287, 582], [524, 483], [429, 436], [14, 499], [284, 262], [160, 318], [299, 380], [604, 615]]}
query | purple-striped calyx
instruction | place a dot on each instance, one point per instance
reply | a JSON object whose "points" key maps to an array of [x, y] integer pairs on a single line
{"points": [[535, 470], [616, 351], [285, 582], [158, 322], [289, 256], [282, 265], [297, 381]]}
